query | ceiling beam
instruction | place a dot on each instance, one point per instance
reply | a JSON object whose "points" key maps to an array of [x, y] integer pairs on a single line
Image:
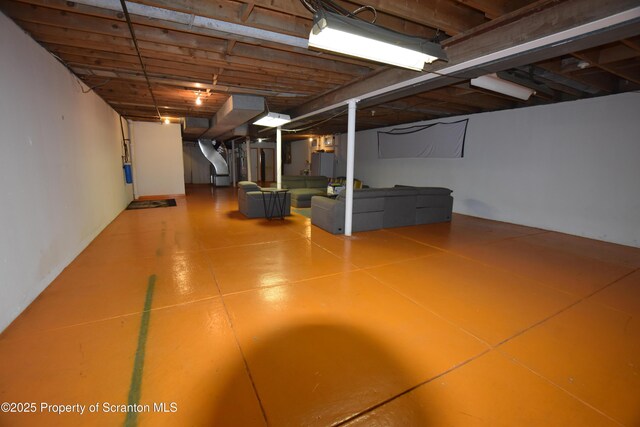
{"points": [[575, 78], [632, 43], [192, 84], [445, 15], [491, 8], [387, 20], [308, 83], [594, 61], [246, 11], [578, 25], [98, 30], [67, 14]]}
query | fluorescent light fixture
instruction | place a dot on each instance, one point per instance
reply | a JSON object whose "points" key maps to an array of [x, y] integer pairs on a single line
{"points": [[273, 120], [494, 83], [353, 37]]}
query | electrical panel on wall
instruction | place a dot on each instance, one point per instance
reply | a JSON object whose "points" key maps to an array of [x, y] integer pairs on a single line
{"points": [[328, 140], [325, 143]]}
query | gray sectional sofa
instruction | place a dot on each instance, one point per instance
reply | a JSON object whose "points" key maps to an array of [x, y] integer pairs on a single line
{"points": [[303, 187], [375, 208], [250, 202]]}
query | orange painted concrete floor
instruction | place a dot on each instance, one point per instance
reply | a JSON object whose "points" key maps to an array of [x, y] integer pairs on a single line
{"points": [[196, 316]]}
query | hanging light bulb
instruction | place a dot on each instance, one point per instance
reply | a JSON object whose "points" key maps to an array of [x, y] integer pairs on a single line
{"points": [[198, 100], [167, 121]]}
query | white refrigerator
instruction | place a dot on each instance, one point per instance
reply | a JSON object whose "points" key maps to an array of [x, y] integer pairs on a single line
{"points": [[322, 164]]}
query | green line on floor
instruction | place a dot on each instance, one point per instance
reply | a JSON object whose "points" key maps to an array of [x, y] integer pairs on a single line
{"points": [[138, 364]]}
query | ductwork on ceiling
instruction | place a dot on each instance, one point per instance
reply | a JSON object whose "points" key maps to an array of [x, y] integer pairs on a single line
{"points": [[230, 120], [192, 127], [236, 111]]}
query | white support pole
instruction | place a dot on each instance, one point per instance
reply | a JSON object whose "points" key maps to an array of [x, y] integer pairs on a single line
{"points": [[247, 150], [279, 157], [351, 139], [232, 163]]}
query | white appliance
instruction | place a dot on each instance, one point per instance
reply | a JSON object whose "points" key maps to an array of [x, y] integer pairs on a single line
{"points": [[322, 164]]}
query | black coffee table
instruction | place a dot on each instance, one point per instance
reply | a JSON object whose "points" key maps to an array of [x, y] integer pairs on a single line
{"points": [[278, 199]]}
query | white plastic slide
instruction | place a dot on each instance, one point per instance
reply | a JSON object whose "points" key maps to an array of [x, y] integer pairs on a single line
{"points": [[221, 168]]}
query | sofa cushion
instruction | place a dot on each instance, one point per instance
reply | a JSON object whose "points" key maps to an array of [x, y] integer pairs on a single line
{"points": [[431, 197], [364, 193], [294, 181], [248, 186], [402, 192], [374, 204], [433, 190], [429, 215], [434, 197], [328, 214], [426, 190], [317, 182], [306, 193], [400, 207], [434, 201], [366, 199], [301, 197]]}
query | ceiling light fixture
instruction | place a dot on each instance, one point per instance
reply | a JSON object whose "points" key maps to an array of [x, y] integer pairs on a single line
{"points": [[495, 84], [273, 120], [354, 37], [167, 121], [198, 100]]}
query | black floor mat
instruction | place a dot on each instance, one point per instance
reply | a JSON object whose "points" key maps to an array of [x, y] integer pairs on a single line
{"points": [[147, 204]]}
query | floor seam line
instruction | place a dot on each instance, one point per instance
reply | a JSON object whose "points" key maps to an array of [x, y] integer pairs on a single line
{"points": [[302, 281], [410, 389], [237, 341], [557, 313], [438, 315], [553, 383]]}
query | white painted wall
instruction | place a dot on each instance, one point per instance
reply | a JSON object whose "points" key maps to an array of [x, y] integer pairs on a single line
{"points": [[572, 167], [157, 159], [300, 152], [61, 176]]}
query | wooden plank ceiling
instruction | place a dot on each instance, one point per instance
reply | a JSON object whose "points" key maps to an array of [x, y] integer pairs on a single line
{"points": [[184, 58]]}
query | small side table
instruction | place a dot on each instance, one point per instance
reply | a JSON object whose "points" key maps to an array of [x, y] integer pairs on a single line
{"points": [[277, 199]]}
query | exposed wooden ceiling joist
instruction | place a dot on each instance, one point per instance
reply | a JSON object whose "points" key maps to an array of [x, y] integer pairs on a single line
{"points": [[566, 16], [186, 51]]}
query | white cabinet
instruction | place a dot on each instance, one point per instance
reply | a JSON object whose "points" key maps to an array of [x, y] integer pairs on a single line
{"points": [[322, 164]]}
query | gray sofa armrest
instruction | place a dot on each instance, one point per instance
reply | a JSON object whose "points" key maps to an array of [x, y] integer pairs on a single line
{"points": [[434, 204], [248, 186], [327, 214]]}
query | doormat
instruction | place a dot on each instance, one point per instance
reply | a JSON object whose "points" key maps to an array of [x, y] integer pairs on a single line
{"points": [[147, 204], [302, 211]]}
